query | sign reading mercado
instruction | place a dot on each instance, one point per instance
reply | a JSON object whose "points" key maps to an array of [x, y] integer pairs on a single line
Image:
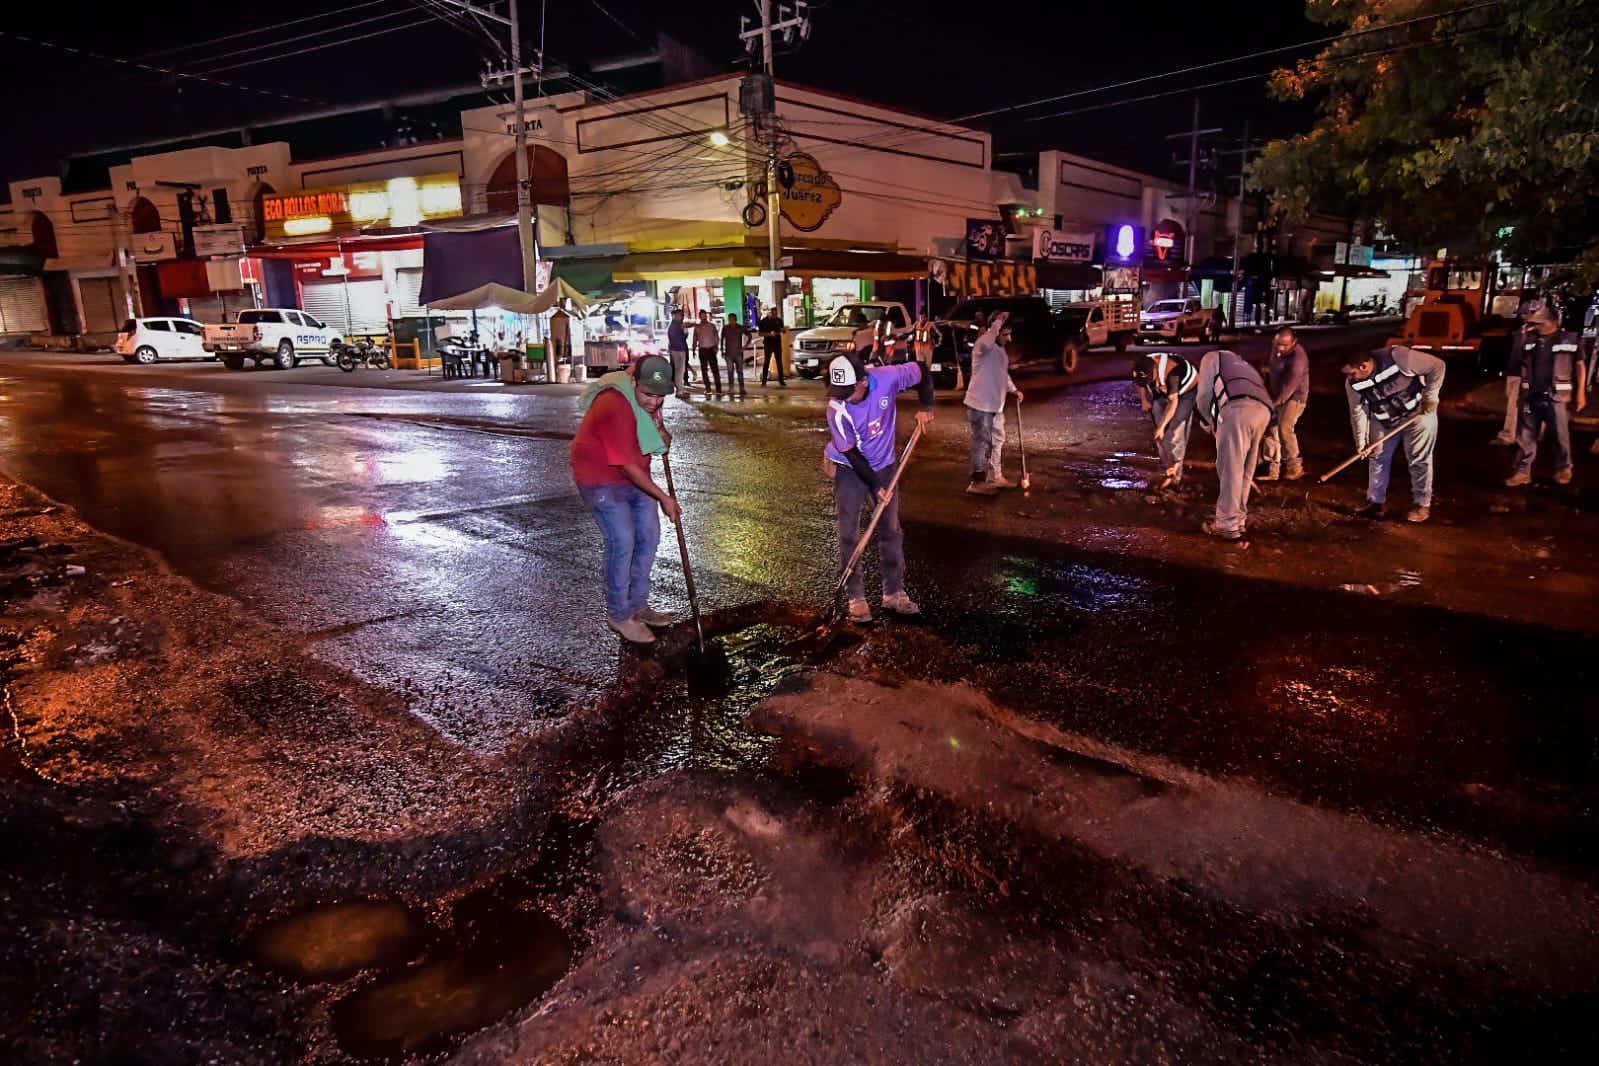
{"points": [[392, 204], [812, 196]]}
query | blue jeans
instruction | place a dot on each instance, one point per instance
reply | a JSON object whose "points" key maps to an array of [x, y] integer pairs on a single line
{"points": [[1540, 414], [630, 519], [1418, 440], [1174, 445], [853, 500]]}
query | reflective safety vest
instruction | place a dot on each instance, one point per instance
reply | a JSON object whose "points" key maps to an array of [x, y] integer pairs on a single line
{"points": [[1236, 380], [1163, 368], [1391, 392], [1564, 348], [924, 335]]}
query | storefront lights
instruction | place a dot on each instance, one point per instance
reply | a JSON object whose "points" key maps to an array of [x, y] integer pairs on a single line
{"points": [[441, 199], [369, 205], [300, 227], [405, 202]]}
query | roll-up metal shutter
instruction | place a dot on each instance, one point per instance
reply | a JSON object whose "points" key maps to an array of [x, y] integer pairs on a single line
{"points": [[408, 293], [103, 311], [22, 306], [363, 309]]}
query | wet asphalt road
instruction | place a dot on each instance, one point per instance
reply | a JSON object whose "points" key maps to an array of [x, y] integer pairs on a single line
{"points": [[432, 542]]}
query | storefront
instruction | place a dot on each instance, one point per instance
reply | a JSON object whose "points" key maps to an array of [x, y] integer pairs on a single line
{"points": [[22, 303]]}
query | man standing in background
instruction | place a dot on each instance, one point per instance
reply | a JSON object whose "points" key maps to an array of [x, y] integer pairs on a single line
{"points": [[986, 393], [677, 348], [733, 333], [706, 340], [771, 327], [1288, 380]]}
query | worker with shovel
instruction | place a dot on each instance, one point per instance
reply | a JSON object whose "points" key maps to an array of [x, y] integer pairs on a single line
{"points": [[1386, 389], [1234, 405], [1166, 387], [861, 417], [611, 455]]}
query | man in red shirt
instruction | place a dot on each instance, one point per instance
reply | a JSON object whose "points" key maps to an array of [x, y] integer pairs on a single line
{"points": [[611, 464]]}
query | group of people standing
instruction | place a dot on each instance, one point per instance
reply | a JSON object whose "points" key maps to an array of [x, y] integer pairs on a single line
{"points": [[730, 342]]}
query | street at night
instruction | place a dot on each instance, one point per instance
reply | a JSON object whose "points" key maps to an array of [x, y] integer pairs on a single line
{"points": [[766, 532], [353, 658]]}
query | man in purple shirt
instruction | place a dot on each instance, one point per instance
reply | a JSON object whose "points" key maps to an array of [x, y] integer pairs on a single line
{"points": [[1288, 381], [861, 419]]}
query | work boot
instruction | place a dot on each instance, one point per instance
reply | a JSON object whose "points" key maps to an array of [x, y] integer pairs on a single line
{"points": [[1519, 478], [1563, 476], [859, 611], [1000, 481], [1295, 474], [1170, 481], [1418, 514], [632, 630], [653, 618], [1373, 509], [981, 487], [1211, 529], [1271, 474], [900, 603], [1505, 438]]}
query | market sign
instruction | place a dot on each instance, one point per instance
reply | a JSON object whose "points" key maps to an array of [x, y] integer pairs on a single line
{"points": [[1124, 244], [393, 204], [985, 239], [812, 196], [1056, 246], [224, 239], [351, 265], [1166, 243], [985, 278]]}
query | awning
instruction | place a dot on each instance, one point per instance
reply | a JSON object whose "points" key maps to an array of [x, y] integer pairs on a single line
{"points": [[689, 263], [1068, 276], [590, 274], [876, 266], [20, 260], [508, 299]]}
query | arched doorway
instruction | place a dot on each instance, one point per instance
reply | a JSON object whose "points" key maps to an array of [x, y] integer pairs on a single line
{"points": [[144, 217], [547, 180], [258, 212], [44, 235]]}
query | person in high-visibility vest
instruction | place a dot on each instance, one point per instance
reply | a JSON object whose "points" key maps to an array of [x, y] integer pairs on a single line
{"points": [[925, 338]]}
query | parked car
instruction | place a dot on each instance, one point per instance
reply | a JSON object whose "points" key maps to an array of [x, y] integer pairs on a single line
{"points": [[148, 340], [281, 335], [1173, 320], [1037, 334], [1112, 320], [845, 329]]}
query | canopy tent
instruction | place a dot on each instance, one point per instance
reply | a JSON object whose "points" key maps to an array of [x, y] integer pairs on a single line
{"points": [[513, 300]]}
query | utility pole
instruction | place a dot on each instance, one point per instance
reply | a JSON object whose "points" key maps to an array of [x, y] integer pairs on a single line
{"points": [[1246, 151], [792, 21], [1192, 135]]}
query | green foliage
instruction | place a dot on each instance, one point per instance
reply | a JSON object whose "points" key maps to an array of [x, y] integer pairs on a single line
{"points": [[1447, 130]]}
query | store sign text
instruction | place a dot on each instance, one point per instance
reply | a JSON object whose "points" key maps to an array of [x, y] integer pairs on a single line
{"points": [[395, 203], [813, 196], [306, 205], [1053, 246]]}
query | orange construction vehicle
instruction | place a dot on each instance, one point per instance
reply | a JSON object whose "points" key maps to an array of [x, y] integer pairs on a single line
{"points": [[1455, 316]]}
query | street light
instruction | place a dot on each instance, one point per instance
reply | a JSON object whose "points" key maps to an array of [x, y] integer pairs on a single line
{"points": [[720, 139]]}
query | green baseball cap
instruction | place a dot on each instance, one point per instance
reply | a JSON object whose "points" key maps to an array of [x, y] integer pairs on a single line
{"points": [[654, 375]]}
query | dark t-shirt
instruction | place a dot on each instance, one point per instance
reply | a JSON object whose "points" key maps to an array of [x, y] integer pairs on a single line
{"points": [[771, 328], [1538, 363], [607, 439]]}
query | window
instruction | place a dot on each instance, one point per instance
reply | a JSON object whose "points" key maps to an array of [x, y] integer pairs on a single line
{"points": [[294, 318], [160, 325], [185, 326], [313, 323], [247, 317], [896, 317], [1097, 315], [130, 326]]}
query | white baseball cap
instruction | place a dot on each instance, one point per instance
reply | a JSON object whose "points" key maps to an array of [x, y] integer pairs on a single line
{"points": [[843, 371]]}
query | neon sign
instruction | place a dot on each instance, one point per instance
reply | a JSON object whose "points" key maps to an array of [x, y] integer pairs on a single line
{"points": [[1124, 243]]}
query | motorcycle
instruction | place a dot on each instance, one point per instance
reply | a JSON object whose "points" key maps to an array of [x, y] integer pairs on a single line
{"points": [[351, 354]]}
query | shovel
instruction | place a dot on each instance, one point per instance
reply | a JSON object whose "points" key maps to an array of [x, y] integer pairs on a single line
{"points": [[1368, 450], [871, 527], [1021, 444], [682, 548]]}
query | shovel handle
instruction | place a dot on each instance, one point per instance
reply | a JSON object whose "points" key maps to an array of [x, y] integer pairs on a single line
{"points": [[682, 550], [1353, 459], [877, 512]]}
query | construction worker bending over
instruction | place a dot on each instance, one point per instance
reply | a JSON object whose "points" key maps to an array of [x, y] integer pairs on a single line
{"points": [[1233, 404], [861, 418], [1551, 374], [1167, 385], [1387, 388]]}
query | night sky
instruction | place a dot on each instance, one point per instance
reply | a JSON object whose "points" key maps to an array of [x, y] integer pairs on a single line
{"points": [[892, 51]]}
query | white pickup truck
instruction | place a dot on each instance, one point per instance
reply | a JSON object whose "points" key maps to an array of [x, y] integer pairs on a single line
{"points": [[1172, 320], [281, 335], [843, 330]]}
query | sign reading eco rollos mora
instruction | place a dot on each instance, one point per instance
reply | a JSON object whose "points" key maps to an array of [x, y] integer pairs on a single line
{"points": [[392, 204]]}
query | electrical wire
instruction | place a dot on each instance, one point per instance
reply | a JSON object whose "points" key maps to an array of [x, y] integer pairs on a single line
{"points": [[284, 41], [269, 28], [153, 68], [340, 43]]}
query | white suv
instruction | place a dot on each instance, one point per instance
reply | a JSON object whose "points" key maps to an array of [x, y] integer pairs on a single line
{"points": [[147, 340]]}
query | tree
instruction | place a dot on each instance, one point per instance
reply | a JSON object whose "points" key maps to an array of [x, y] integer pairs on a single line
{"points": [[1467, 123]]}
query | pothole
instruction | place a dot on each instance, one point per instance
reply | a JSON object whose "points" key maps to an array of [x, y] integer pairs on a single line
{"points": [[338, 940]]}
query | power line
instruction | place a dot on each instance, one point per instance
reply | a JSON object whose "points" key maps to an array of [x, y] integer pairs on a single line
{"points": [[283, 41], [340, 43], [152, 68], [271, 27]]}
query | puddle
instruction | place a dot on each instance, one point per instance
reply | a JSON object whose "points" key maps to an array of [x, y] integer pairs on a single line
{"points": [[1123, 483], [335, 941], [512, 956]]}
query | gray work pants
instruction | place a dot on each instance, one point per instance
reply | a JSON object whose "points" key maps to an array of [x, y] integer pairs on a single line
{"points": [[852, 498], [1512, 406], [1537, 414], [988, 443], [1239, 429], [1174, 445], [680, 369], [1281, 445], [1419, 439]]}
